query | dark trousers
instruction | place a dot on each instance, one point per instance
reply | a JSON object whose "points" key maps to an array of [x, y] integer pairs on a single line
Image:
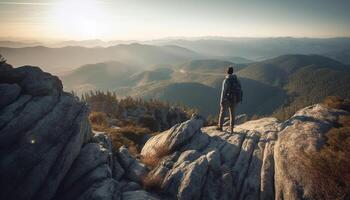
{"points": [[224, 106]]}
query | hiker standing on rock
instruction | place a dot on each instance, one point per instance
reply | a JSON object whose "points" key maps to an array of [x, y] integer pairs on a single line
{"points": [[231, 95]]}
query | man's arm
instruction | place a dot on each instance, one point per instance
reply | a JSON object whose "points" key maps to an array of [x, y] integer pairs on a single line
{"points": [[240, 87], [223, 89], [239, 83]]}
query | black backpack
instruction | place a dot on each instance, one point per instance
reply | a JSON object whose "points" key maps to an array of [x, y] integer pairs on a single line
{"points": [[235, 93]]}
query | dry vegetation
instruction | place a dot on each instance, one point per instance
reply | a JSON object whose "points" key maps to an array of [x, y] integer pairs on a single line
{"points": [[136, 112], [152, 182], [130, 122], [337, 102], [329, 169], [131, 136], [153, 160], [98, 119]]}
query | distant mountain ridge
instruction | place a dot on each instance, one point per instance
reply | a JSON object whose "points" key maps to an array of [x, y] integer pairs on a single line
{"points": [[263, 48], [70, 57], [279, 85]]}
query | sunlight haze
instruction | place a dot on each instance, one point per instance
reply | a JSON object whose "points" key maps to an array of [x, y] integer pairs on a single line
{"points": [[144, 20]]}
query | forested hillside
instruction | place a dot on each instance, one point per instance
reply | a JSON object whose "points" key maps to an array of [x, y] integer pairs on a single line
{"points": [[277, 86], [130, 121]]}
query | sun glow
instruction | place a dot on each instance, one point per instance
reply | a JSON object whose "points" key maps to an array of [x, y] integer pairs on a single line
{"points": [[81, 19]]}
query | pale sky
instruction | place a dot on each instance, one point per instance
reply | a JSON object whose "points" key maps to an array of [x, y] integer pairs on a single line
{"points": [[153, 19]]}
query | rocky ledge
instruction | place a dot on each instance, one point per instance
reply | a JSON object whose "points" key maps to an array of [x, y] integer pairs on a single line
{"points": [[48, 151], [259, 161]]}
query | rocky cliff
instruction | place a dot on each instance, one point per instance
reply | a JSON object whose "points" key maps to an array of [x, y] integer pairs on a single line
{"points": [[48, 151]]}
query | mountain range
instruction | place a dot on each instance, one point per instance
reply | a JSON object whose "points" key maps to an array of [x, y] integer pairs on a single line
{"points": [[264, 48], [270, 86], [278, 75], [60, 60], [62, 56]]}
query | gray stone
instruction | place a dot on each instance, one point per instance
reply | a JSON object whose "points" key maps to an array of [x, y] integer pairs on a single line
{"points": [[33, 80], [91, 156], [173, 138], [11, 111], [214, 160], [193, 180], [9, 93], [139, 195], [134, 169], [131, 186], [105, 190]]}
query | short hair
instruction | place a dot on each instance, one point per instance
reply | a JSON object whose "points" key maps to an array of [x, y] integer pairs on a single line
{"points": [[230, 70]]}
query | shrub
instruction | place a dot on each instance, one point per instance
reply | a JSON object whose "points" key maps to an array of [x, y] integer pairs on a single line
{"points": [[118, 140], [329, 169], [152, 160], [134, 133], [149, 122], [98, 119], [337, 103], [132, 137], [152, 182]]}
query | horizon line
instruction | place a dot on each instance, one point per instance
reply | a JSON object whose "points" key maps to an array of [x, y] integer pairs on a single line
{"points": [[33, 39]]}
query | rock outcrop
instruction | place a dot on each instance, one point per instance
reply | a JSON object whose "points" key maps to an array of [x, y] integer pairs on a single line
{"points": [[261, 160], [48, 151]]}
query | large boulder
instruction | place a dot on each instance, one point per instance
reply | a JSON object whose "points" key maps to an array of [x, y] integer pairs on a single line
{"points": [[135, 170], [173, 138], [46, 150], [304, 132]]}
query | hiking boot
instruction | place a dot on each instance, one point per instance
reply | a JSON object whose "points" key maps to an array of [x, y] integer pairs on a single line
{"points": [[218, 128]]}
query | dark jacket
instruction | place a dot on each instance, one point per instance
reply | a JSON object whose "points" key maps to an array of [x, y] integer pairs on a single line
{"points": [[225, 86]]}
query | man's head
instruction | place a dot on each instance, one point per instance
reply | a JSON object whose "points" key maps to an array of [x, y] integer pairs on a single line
{"points": [[230, 70]]}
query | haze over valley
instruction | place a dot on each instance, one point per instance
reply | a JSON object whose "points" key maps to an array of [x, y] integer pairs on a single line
{"points": [[273, 71]]}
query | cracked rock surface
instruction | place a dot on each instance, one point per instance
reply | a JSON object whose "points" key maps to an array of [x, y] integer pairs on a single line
{"points": [[258, 161]]}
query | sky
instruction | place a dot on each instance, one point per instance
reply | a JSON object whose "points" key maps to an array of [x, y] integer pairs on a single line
{"points": [[154, 19]]}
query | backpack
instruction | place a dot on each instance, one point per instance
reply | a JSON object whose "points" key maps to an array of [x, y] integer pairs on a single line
{"points": [[235, 93]]}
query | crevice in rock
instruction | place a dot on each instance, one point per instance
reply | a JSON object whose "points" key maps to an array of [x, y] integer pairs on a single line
{"points": [[59, 155], [14, 144], [240, 147], [60, 193], [239, 184], [16, 112]]}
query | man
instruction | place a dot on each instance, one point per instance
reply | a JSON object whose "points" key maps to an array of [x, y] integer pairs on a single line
{"points": [[231, 94]]}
